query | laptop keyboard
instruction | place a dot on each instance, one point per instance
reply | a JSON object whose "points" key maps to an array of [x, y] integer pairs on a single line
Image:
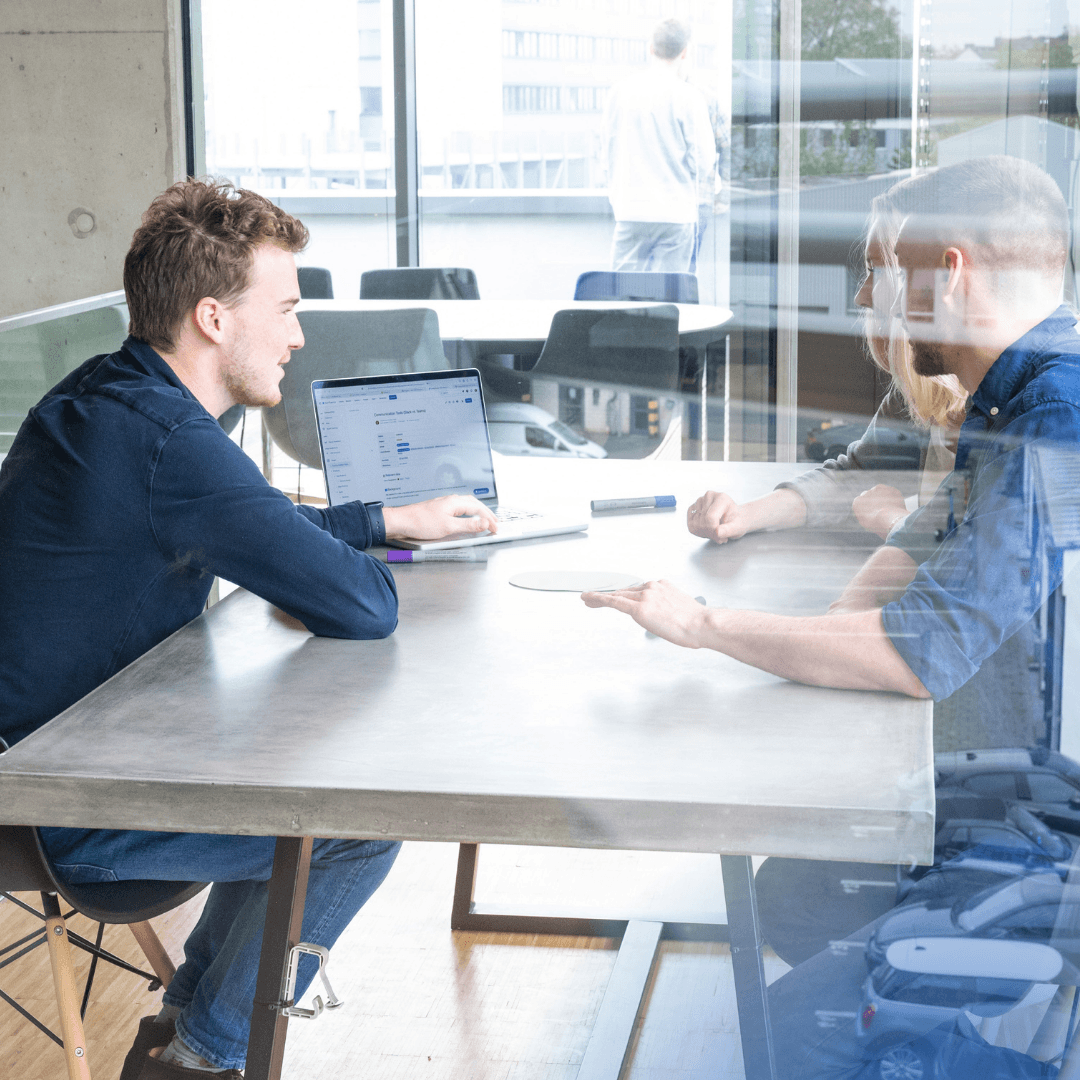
{"points": [[508, 513]]}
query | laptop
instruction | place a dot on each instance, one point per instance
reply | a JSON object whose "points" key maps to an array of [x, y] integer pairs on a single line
{"points": [[399, 439]]}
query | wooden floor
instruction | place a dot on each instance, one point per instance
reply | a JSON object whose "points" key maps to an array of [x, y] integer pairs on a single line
{"points": [[420, 1001]]}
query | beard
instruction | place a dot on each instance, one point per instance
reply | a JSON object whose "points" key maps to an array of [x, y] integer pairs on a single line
{"points": [[247, 385], [928, 358]]}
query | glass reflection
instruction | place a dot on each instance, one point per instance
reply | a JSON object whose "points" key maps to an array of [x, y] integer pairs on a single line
{"points": [[978, 937], [884, 196]]}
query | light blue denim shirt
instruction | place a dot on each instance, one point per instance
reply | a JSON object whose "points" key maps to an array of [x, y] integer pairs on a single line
{"points": [[979, 584]]}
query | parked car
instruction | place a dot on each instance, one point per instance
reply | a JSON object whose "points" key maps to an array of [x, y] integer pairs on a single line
{"points": [[961, 1053], [1023, 908], [901, 1011], [899, 1008], [978, 843], [982, 954], [528, 430], [893, 448], [986, 839], [1041, 781]]}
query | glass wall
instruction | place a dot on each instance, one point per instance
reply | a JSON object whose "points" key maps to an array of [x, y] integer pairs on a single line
{"points": [[885, 334], [824, 118], [873, 457], [306, 117], [833, 105], [510, 116], [38, 348]]}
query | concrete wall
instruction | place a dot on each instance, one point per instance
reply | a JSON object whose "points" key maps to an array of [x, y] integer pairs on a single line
{"points": [[91, 122]]}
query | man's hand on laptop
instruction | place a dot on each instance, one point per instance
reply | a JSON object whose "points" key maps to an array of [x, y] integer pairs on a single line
{"points": [[449, 515]]}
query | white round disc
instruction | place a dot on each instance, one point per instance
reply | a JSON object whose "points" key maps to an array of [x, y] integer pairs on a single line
{"points": [[574, 580]]}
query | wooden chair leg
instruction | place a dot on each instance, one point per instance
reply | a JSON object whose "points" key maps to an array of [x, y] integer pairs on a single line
{"points": [[67, 997], [154, 951]]}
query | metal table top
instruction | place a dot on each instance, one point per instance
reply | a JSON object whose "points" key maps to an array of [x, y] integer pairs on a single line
{"points": [[495, 714]]}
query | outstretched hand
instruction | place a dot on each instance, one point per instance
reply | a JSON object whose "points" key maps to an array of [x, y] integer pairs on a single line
{"points": [[658, 606], [436, 519]]}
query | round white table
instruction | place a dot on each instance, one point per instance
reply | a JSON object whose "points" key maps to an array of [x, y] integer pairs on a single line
{"points": [[521, 326]]}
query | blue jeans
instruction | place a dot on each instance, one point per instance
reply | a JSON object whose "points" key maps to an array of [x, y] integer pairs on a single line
{"points": [[652, 245], [215, 986]]}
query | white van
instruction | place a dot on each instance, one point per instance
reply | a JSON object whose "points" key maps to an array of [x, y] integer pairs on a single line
{"points": [[529, 430]]}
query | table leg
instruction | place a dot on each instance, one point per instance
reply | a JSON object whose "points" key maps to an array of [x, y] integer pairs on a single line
{"points": [[464, 886], [466, 914], [612, 1033], [267, 452], [747, 967], [284, 918]]}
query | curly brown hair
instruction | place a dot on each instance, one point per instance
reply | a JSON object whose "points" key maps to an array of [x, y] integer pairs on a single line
{"points": [[198, 239]]}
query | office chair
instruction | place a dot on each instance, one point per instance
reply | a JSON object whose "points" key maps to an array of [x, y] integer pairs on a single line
{"points": [[637, 285], [342, 344], [315, 283], [231, 417], [502, 384], [670, 288], [590, 346], [25, 867], [627, 347], [629, 356], [419, 283]]}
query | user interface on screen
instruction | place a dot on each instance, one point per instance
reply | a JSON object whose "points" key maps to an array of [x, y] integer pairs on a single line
{"points": [[404, 439]]}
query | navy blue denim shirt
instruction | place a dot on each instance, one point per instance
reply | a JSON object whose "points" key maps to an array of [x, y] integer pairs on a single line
{"points": [[120, 500], [989, 575]]}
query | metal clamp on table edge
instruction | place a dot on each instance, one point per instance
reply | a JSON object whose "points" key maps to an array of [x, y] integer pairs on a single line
{"points": [[287, 1007]]}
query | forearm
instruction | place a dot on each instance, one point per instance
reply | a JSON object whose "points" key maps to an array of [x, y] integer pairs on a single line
{"points": [[314, 574], [780, 509], [827, 492], [882, 579], [848, 652], [398, 522], [352, 522]]}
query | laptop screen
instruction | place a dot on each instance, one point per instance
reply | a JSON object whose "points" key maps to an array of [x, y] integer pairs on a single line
{"points": [[400, 439]]}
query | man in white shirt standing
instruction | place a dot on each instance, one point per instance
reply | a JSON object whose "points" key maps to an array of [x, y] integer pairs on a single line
{"points": [[661, 156]]}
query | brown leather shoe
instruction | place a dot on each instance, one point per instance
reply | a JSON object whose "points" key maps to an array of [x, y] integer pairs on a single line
{"points": [[151, 1034], [152, 1069]]}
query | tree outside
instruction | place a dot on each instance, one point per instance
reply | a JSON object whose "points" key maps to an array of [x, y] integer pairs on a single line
{"points": [[853, 30]]}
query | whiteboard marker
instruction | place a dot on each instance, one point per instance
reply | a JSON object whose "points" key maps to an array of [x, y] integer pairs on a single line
{"points": [[648, 502], [393, 555]]}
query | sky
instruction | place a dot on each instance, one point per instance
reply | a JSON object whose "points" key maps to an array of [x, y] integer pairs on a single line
{"points": [[963, 22]]}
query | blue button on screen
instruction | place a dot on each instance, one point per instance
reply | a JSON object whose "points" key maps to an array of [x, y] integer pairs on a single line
{"points": [[393, 397], [480, 491]]}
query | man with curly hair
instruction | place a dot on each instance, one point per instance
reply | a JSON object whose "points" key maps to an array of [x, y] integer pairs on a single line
{"points": [[120, 500]]}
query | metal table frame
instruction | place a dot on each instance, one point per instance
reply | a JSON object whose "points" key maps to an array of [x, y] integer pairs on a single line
{"points": [[610, 1041], [640, 940]]}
